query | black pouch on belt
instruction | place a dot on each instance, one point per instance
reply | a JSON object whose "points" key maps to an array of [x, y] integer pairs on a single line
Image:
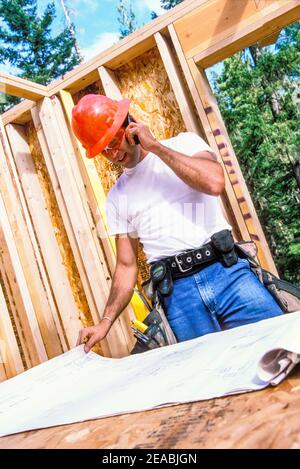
{"points": [[161, 277], [223, 243]]}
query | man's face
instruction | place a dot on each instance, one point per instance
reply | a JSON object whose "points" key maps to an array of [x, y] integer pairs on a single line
{"points": [[120, 152]]}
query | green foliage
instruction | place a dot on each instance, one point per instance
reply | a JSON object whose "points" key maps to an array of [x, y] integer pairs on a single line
{"points": [[168, 4], [27, 42], [258, 94], [126, 18]]}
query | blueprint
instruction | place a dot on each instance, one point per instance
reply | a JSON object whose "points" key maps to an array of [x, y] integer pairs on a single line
{"points": [[77, 386]]}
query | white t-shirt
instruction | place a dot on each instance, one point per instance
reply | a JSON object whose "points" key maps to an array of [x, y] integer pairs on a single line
{"points": [[152, 203]]}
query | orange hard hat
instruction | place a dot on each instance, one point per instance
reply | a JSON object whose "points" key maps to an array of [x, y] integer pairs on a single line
{"points": [[96, 119]]}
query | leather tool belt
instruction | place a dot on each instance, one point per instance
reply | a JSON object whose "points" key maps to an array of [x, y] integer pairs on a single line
{"points": [[187, 262], [220, 248]]}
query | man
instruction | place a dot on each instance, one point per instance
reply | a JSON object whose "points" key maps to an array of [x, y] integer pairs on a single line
{"points": [[167, 197]]}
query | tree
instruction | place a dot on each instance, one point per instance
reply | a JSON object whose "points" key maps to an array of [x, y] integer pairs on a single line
{"points": [[67, 15], [27, 42], [126, 18], [256, 94], [168, 4]]}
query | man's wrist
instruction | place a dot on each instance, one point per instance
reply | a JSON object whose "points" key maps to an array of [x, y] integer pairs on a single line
{"points": [[107, 321], [156, 147]]}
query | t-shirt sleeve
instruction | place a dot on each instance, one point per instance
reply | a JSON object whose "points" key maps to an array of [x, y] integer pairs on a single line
{"points": [[116, 221], [190, 143]]}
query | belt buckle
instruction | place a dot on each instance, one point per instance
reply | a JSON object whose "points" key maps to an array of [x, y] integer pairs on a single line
{"points": [[179, 262]]}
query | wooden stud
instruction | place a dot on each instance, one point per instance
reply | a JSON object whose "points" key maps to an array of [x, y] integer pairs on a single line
{"points": [[121, 331], [25, 319], [178, 86], [64, 166], [109, 83], [30, 255], [230, 161], [48, 139], [111, 88], [10, 353], [97, 199], [231, 207], [67, 310]]}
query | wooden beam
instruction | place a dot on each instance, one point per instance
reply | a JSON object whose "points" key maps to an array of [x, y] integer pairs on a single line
{"points": [[22, 88], [67, 312], [269, 40], [65, 166], [34, 269], [25, 319], [176, 80], [109, 83], [10, 353], [224, 42], [230, 204], [111, 88], [97, 200], [232, 166], [19, 114], [120, 337]]}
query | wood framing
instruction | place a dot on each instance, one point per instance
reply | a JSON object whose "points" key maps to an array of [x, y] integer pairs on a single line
{"points": [[231, 26], [62, 162], [41, 315], [67, 310], [22, 88], [11, 358]]}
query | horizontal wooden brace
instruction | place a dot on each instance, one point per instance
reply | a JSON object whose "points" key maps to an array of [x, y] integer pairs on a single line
{"points": [[16, 86]]}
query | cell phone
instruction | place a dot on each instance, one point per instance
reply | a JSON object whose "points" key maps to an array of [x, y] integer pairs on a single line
{"points": [[128, 120]]}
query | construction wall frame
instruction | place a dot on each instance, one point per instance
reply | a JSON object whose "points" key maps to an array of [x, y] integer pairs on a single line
{"points": [[56, 259]]}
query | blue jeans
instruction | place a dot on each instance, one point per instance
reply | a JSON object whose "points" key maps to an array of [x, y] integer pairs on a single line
{"points": [[218, 298]]}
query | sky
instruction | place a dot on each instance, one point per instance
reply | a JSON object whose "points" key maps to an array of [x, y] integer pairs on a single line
{"points": [[96, 21]]}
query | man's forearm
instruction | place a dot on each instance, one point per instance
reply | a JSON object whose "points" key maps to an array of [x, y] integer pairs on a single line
{"points": [[121, 291], [200, 173]]}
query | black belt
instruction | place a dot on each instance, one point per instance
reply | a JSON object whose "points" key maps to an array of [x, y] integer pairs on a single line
{"points": [[187, 262]]}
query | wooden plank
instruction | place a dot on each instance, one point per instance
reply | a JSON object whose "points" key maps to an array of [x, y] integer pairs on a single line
{"points": [[22, 88], [25, 320], [65, 165], [229, 200], [176, 81], [120, 336], [109, 83], [269, 20], [269, 40], [19, 114], [34, 270], [221, 18], [59, 187], [97, 199], [270, 419], [14, 299], [67, 310], [111, 88], [233, 169], [10, 353], [61, 203]]}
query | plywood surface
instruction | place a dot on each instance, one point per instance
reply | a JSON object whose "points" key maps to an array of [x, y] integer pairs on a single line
{"points": [[263, 419]]}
